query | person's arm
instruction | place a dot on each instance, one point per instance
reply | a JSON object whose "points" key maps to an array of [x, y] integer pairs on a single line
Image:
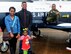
{"points": [[58, 16], [7, 25], [21, 38], [49, 13], [18, 28], [31, 37], [19, 16], [30, 20]]}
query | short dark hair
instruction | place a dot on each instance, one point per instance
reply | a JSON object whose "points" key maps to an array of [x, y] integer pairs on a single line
{"points": [[23, 2], [54, 4], [12, 8]]}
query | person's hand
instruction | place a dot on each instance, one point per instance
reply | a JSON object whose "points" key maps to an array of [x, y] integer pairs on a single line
{"points": [[11, 35], [57, 13], [33, 37], [18, 36]]}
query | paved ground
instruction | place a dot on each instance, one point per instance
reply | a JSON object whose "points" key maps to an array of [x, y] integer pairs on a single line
{"points": [[51, 42]]}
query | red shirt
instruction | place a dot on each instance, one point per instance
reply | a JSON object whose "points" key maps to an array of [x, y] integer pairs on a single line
{"points": [[25, 42]]}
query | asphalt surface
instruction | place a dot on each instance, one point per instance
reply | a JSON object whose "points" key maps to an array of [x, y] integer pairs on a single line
{"points": [[51, 41]]}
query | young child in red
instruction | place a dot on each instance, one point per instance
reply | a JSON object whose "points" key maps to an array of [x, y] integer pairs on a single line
{"points": [[25, 42]]}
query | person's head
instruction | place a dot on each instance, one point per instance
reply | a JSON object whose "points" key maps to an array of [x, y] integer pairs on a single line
{"points": [[12, 11], [53, 7], [25, 33], [24, 5]]}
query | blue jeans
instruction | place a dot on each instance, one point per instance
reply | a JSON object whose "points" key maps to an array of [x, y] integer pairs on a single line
{"points": [[20, 50]]}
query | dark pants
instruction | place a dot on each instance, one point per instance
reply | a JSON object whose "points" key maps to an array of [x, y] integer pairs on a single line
{"points": [[12, 43]]}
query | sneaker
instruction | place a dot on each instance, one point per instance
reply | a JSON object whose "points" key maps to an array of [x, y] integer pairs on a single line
{"points": [[68, 48], [30, 52]]}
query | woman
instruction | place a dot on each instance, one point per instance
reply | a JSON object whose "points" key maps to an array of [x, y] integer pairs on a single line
{"points": [[13, 28]]}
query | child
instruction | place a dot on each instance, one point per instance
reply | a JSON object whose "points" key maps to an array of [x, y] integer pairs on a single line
{"points": [[25, 41]]}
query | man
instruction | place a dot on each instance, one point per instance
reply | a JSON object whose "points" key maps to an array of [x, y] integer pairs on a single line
{"points": [[25, 21], [53, 14]]}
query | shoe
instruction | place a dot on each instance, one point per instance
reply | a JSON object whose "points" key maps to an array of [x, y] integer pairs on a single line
{"points": [[20, 53], [68, 48], [30, 52]]}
